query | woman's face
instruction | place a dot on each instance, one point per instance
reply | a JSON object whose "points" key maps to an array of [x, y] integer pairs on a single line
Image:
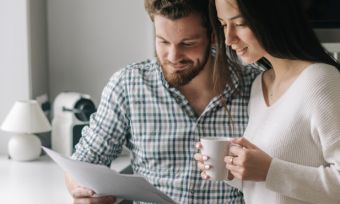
{"points": [[237, 33]]}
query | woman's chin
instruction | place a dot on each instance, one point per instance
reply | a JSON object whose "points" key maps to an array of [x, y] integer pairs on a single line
{"points": [[248, 60]]}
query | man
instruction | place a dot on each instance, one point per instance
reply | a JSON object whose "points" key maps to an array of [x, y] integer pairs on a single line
{"points": [[160, 108]]}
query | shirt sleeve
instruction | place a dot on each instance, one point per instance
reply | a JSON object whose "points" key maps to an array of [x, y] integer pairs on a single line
{"points": [[319, 184], [103, 139]]}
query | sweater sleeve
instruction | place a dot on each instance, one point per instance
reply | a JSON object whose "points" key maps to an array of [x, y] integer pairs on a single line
{"points": [[236, 183], [320, 184]]}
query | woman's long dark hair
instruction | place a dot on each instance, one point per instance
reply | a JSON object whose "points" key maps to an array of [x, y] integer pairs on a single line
{"points": [[224, 66], [281, 27]]}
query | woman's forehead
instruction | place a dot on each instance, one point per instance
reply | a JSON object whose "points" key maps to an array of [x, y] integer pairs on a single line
{"points": [[227, 9]]}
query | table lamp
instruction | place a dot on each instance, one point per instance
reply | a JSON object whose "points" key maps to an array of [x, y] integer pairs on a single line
{"points": [[25, 117]]}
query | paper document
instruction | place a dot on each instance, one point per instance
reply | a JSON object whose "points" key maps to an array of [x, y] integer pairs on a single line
{"points": [[105, 181]]}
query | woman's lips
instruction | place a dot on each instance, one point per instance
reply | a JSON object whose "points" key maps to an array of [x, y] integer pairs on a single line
{"points": [[242, 51]]}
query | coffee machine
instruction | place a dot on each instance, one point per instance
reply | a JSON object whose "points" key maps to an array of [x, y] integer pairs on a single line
{"points": [[71, 112]]}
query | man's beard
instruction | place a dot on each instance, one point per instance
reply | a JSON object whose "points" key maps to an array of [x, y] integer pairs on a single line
{"points": [[183, 77]]}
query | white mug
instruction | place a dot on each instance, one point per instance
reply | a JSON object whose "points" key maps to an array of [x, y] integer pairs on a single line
{"points": [[216, 148]]}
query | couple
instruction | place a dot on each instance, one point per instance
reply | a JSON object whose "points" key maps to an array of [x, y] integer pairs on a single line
{"points": [[160, 109]]}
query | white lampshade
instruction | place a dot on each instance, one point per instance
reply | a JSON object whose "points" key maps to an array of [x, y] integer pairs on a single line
{"points": [[24, 118]]}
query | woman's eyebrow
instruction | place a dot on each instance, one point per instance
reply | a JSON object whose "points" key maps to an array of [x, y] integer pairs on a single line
{"points": [[231, 18]]}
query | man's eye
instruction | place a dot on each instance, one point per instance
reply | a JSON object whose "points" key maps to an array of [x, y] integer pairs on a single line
{"points": [[188, 44]]}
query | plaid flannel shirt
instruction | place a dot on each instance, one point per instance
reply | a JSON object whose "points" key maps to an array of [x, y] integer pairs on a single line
{"points": [[155, 121]]}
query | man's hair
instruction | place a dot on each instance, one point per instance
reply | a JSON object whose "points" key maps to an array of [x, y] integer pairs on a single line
{"points": [[175, 9]]}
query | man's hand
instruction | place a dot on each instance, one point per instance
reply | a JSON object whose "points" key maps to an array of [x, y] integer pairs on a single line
{"points": [[82, 195]]}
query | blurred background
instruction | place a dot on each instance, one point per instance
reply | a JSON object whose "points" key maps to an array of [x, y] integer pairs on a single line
{"points": [[52, 46]]}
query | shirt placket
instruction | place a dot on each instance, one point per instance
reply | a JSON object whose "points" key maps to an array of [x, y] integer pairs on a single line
{"points": [[198, 133]]}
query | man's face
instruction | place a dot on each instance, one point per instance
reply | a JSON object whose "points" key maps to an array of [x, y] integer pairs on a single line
{"points": [[182, 47]]}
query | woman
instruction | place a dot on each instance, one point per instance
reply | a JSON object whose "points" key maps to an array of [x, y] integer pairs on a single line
{"points": [[290, 152]]}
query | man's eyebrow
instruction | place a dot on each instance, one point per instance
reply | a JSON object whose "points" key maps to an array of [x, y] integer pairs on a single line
{"points": [[158, 36], [231, 18], [192, 38]]}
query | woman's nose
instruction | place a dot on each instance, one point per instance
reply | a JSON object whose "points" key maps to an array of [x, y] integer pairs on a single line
{"points": [[230, 36]]}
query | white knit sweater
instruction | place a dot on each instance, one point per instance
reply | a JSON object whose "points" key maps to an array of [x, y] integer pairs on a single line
{"points": [[301, 131]]}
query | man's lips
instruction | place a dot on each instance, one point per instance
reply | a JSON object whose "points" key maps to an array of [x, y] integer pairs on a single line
{"points": [[179, 66]]}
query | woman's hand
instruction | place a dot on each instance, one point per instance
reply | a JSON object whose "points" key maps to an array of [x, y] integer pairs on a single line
{"points": [[200, 161], [246, 161]]}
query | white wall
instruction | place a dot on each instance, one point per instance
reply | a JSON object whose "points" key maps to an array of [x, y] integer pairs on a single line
{"points": [[38, 56], [23, 55], [328, 35], [90, 40], [14, 66]]}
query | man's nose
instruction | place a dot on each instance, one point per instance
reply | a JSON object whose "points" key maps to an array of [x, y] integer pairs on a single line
{"points": [[174, 54]]}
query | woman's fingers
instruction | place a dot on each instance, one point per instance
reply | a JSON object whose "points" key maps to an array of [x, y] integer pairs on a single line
{"points": [[234, 171], [234, 167], [244, 143], [198, 145], [200, 163], [230, 175], [200, 157], [204, 175], [201, 166], [232, 160]]}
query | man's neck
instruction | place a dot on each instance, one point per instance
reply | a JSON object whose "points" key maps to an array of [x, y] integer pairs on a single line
{"points": [[199, 91]]}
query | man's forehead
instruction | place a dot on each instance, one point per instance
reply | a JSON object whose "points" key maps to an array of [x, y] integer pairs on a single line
{"points": [[176, 31]]}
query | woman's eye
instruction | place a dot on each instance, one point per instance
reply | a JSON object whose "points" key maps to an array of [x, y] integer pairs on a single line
{"points": [[240, 24]]}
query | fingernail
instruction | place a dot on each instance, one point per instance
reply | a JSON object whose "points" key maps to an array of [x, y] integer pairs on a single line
{"points": [[207, 166], [205, 158]]}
